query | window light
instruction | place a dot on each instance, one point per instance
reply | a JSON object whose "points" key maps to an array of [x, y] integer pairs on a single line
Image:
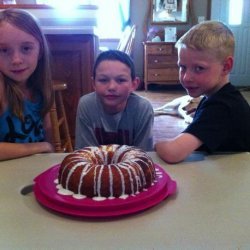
{"points": [[235, 12]]}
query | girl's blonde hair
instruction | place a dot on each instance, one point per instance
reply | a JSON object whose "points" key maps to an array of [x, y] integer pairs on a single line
{"points": [[40, 82], [211, 36]]}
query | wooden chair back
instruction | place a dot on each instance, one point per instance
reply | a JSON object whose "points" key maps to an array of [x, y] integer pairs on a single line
{"points": [[60, 129], [127, 40]]}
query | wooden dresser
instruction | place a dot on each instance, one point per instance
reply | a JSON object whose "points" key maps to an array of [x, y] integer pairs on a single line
{"points": [[160, 63]]}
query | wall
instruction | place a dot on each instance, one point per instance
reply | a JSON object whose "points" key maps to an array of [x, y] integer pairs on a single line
{"points": [[140, 16]]}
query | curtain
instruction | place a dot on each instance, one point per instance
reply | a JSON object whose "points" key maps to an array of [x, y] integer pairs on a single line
{"points": [[113, 17]]}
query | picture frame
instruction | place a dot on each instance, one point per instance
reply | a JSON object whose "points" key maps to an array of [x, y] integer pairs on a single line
{"points": [[169, 11]]}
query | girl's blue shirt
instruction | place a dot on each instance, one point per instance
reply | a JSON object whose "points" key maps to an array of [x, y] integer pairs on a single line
{"points": [[12, 129]]}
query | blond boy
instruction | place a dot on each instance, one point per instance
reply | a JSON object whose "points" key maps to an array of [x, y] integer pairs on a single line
{"points": [[222, 120]]}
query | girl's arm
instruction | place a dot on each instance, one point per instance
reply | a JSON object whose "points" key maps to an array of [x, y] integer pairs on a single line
{"points": [[16, 150]]}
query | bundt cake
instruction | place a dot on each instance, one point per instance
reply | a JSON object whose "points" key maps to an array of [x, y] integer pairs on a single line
{"points": [[108, 171]]}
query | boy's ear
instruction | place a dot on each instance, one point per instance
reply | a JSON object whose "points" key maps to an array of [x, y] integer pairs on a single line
{"points": [[228, 64], [135, 83]]}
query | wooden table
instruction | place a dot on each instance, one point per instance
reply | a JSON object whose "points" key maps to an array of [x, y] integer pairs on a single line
{"points": [[210, 211]]}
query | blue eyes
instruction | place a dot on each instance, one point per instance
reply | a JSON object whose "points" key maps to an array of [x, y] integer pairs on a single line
{"points": [[199, 69], [27, 49], [195, 69], [5, 51]]}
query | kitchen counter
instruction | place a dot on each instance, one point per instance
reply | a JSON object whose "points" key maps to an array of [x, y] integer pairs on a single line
{"points": [[211, 210], [63, 19]]}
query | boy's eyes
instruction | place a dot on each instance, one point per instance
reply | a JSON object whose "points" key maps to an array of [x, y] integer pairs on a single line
{"points": [[103, 80], [182, 67], [198, 69], [121, 80], [106, 80], [195, 69], [4, 50]]}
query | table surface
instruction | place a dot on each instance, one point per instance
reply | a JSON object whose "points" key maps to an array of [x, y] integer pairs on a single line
{"points": [[211, 210]]}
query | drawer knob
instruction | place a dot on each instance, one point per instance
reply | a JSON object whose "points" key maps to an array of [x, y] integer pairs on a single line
{"points": [[156, 61]]}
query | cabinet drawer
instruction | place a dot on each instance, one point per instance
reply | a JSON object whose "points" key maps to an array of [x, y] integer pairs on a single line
{"points": [[163, 49], [155, 61], [161, 75]]}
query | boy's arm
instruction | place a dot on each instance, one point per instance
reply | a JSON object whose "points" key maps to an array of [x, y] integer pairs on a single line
{"points": [[84, 132], [84, 135], [143, 134], [178, 148]]}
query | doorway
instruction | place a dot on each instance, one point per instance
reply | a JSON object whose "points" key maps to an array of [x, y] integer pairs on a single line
{"points": [[240, 75]]}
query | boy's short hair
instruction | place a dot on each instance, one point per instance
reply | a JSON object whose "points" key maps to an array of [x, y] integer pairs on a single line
{"points": [[115, 55], [212, 36]]}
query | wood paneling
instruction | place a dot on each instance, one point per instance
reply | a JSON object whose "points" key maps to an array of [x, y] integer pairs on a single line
{"points": [[72, 62]]}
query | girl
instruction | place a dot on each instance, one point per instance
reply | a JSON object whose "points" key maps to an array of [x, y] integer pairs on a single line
{"points": [[26, 93]]}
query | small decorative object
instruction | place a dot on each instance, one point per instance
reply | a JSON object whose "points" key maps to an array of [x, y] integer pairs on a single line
{"points": [[156, 39], [170, 34], [169, 11], [155, 33]]}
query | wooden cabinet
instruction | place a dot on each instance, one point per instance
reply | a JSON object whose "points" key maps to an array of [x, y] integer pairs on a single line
{"points": [[72, 60], [160, 63]]}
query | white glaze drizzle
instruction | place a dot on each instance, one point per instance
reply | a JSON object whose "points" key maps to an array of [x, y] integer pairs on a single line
{"points": [[131, 175], [95, 179], [72, 170], [122, 178], [99, 182], [111, 182], [85, 171]]}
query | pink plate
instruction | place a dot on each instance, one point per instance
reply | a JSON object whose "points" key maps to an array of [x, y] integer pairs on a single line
{"points": [[46, 193]]}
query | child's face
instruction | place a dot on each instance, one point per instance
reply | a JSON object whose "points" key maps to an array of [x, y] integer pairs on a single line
{"points": [[201, 73], [19, 53], [113, 84]]}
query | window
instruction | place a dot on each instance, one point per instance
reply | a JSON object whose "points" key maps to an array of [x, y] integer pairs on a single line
{"points": [[112, 15], [235, 12]]}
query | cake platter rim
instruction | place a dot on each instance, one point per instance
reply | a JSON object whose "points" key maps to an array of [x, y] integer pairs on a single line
{"points": [[49, 198]]}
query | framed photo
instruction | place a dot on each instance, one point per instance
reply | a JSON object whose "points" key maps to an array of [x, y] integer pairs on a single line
{"points": [[169, 11]]}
